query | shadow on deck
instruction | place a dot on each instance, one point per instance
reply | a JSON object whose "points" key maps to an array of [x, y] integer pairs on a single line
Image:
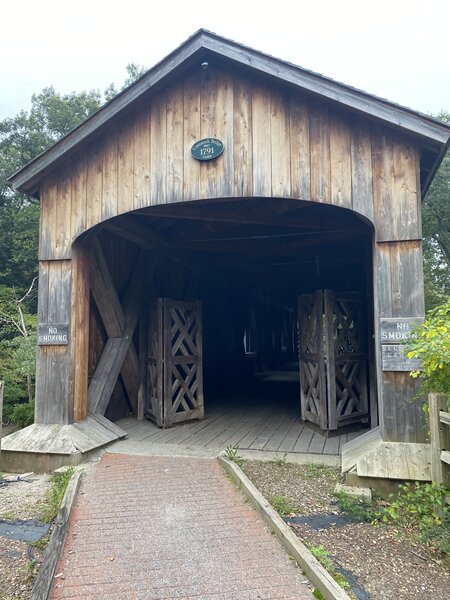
{"points": [[262, 419]]}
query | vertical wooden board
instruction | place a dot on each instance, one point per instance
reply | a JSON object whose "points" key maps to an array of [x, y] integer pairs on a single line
{"points": [[383, 290], [262, 153], [386, 216], [405, 192], [390, 424], [222, 169], [209, 120], [191, 118], [60, 273], [78, 185], [299, 140], [44, 267], [142, 165], [407, 279], [158, 150], [79, 331], [41, 397], [361, 160], [242, 138], [125, 165], [54, 291], [62, 237], [175, 144], [110, 179], [409, 428], [319, 141], [280, 143], [340, 160], [47, 218], [94, 186]]}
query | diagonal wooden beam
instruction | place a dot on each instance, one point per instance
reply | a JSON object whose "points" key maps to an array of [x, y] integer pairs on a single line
{"points": [[115, 351], [113, 317]]}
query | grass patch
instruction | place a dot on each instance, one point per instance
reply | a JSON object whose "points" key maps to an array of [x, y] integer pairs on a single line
{"points": [[231, 452], [323, 556], [314, 471], [357, 508], [58, 485], [283, 506]]}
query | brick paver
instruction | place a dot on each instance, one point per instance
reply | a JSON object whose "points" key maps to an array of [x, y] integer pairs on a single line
{"points": [[168, 527]]}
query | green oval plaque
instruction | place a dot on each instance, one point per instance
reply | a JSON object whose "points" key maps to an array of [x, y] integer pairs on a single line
{"points": [[207, 149]]}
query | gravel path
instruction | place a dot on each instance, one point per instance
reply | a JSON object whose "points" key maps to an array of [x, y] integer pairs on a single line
{"points": [[384, 561], [18, 560]]}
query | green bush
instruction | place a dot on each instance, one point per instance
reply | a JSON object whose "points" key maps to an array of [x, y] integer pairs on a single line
{"points": [[430, 343], [22, 414], [422, 507]]}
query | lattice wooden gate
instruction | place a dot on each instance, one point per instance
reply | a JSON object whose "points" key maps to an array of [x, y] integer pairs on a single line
{"points": [[174, 367], [333, 359]]}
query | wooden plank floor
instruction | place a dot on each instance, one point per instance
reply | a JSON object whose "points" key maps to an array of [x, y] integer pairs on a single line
{"points": [[262, 418]]}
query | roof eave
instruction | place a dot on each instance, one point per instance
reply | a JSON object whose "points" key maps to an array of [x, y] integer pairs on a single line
{"points": [[430, 130]]}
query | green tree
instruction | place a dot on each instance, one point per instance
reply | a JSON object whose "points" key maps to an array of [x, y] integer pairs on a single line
{"points": [[436, 232]]}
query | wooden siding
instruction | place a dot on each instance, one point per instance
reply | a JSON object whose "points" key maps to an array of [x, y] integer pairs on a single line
{"points": [[399, 289], [53, 362], [277, 143]]}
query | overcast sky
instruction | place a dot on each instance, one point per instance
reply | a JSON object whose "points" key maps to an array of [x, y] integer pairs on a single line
{"points": [[396, 49]]}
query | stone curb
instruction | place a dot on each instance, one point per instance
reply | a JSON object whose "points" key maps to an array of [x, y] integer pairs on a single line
{"points": [[44, 581], [328, 587]]}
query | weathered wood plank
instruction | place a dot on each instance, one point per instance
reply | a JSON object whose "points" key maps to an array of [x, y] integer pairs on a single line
{"points": [[383, 289], [62, 237], [361, 161], [406, 208], [112, 358], [78, 185], [438, 436], [191, 171], [340, 162], [141, 160], [175, 144], [94, 185], [80, 331], [110, 176], [104, 292], [299, 140], [158, 150], [262, 151], [319, 144], [407, 279], [280, 143], [383, 180], [125, 165], [242, 138]]}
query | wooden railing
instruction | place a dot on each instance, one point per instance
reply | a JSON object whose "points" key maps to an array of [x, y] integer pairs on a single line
{"points": [[440, 439]]}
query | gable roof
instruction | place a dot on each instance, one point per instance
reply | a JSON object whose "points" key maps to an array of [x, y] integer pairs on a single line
{"points": [[203, 45]]}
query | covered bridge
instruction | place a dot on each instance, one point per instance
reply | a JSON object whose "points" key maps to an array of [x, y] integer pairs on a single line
{"points": [[229, 214]]}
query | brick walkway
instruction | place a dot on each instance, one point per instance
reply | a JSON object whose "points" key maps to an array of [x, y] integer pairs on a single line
{"points": [[165, 527]]}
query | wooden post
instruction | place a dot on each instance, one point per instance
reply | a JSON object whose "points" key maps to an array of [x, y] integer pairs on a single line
{"points": [[80, 331], [439, 436]]}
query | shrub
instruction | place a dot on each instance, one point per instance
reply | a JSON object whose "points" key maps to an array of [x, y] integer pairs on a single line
{"points": [[431, 345], [22, 414]]}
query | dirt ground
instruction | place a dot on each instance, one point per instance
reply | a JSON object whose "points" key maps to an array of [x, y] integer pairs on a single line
{"points": [[380, 561], [20, 560]]}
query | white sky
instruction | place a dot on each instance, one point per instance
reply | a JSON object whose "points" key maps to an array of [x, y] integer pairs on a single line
{"points": [[396, 49]]}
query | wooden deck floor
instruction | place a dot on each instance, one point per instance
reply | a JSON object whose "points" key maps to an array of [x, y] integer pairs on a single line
{"points": [[265, 418]]}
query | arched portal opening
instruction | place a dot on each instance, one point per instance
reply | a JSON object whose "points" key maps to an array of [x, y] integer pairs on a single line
{"points": [[226, 298]]}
